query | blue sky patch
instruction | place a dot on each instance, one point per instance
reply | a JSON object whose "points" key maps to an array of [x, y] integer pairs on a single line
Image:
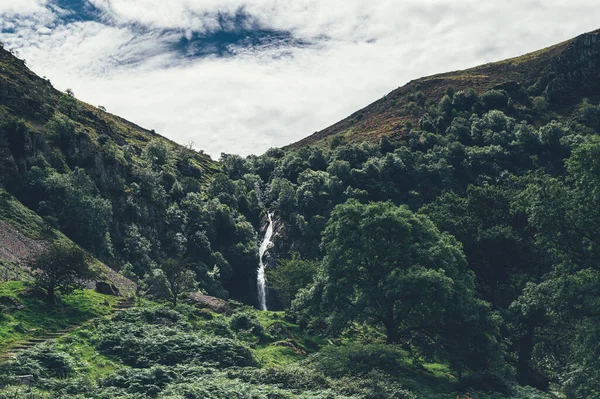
{"points": [[77, 10]]}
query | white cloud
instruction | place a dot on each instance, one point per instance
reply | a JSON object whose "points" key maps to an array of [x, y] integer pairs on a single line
{"points": [[22, 7], [267, 97]]}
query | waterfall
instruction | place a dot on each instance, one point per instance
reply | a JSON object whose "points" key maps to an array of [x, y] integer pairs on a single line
{"points": [[262, 280]]}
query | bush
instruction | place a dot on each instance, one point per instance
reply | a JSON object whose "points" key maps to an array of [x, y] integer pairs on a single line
{"points": [[161, 315], [374, 385], [291, 378], [144, 346], [494, 99], [356, 359], [217, 387], [146, 381], [245, 322], [21, 393], [42, 361], [220, 327]]}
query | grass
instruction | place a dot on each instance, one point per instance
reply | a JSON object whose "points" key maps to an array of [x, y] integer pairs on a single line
{"points": [[37, 319], [90, 362], [287, 342], [22, 218], [271, 356]]}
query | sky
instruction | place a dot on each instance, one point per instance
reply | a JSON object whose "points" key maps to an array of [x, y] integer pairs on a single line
{"points": [[241, 76]]}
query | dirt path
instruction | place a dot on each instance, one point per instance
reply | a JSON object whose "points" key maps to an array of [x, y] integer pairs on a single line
{"points": [[11, 352]]}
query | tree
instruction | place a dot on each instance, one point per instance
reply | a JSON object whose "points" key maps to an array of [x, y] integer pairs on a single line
{"points": [[560, 315], [62, 269], [157, 153], [176, 279], [390, 267], [69, 104], [290, 276], [83, 214], [499, 249]]}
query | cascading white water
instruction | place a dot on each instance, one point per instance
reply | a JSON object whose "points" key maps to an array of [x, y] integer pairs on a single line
{"points": [[262, 279]]}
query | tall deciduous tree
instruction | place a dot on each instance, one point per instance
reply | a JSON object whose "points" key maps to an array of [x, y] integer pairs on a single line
{"points": [[176, 279], [290, 276], [62, 269], [560, 316], [391, 267]]}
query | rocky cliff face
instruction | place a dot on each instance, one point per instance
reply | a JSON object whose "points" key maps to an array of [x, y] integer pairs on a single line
{"points": [[575, 74]]}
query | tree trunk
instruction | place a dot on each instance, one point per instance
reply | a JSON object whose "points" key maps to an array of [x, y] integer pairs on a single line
{"points": [[526, 375], [525, 351], [51, 296], [391, 329]]}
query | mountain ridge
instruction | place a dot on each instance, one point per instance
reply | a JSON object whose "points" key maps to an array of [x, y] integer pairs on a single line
{"points": [[560, 72]]}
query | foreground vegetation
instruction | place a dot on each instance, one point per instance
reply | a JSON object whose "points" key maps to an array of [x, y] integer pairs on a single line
{"points": [[37, 319], [157, 352]]}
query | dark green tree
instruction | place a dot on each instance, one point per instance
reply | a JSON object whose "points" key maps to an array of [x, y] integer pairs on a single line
{"points": [[290, 276], [560, 315], [175, 278], [61, 269], [390, 267]]}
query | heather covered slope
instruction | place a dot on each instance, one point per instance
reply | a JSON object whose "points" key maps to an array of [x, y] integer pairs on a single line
{"points": [[25, 95], [564, 74], [157, 352]]}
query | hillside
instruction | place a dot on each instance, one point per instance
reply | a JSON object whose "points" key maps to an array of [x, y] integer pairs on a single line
{"points": [[25, 315], [104, 182], [564, 74], [35, 101], [24, 235]]}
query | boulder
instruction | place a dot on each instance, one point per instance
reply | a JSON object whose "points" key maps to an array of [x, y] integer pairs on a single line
{"points": [[11, 303], [209, 302], [102, 287]]}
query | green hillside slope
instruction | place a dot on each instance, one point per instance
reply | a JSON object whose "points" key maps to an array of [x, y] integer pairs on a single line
{"points": [[563, 74], [34, 100], [25, 315], [120, 191]]}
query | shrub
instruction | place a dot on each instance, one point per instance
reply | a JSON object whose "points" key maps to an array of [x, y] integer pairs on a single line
{"points": [[220, 327], [291, 377], [245, 322], [146, 381], [161, 315], [22, 393], [41, 361], [217, 387], [356, 359], [494, 99], [144, 346], [374, 385]]}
